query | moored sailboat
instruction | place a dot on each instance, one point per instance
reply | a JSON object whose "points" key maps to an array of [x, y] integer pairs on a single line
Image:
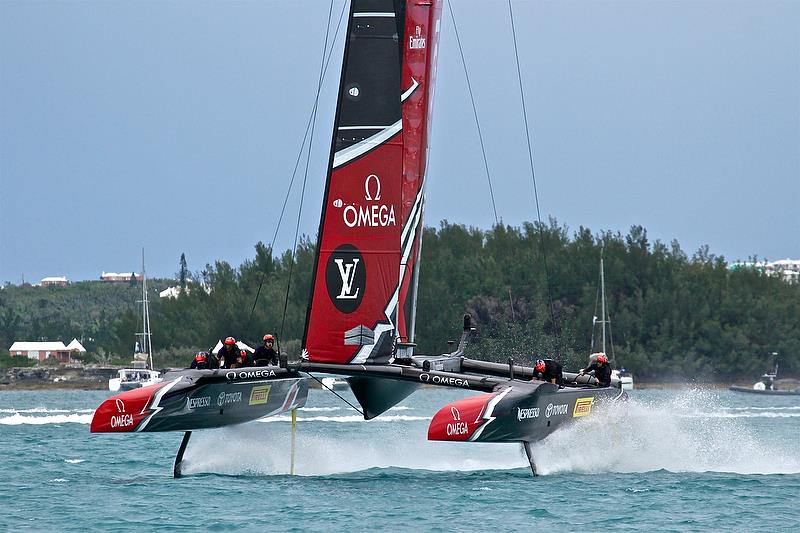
{"points": [[625, 379], [142, 373]]}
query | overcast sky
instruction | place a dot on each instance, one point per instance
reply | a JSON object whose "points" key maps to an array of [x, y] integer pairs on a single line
{"points": [[175, 126]]}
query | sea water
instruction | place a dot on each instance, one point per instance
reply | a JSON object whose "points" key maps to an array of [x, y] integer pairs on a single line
{"points": [[688, 460]]}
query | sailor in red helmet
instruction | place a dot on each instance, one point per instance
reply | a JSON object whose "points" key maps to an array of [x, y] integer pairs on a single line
{"points": [[601, 369], [266, 354], [229, 353], [200, 361], [549, 370]]}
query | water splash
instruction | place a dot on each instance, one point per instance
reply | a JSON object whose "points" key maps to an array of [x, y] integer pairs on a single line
{"points": [[690, 432], [18, 419], [264, 450]]}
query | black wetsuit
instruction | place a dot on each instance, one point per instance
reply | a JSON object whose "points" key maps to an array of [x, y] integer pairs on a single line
{"points": [[265, 356], [602, 372], [552, 370], [228, 357]]}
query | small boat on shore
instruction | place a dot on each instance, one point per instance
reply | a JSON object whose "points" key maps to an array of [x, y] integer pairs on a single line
{"points": [[766, 386], [133, 378]]}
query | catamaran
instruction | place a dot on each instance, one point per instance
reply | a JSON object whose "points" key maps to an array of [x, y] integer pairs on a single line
{"points": [[362, 309]]}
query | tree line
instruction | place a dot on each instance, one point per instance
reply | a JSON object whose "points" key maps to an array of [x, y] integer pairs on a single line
{"points": [[532, 292]]}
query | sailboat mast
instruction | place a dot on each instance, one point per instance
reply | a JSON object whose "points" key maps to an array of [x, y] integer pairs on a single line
{"points": [[146, 341], [603, 299]]}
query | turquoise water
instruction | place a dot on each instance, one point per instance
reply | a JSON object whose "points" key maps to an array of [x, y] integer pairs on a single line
{"points": [[690, 460]]}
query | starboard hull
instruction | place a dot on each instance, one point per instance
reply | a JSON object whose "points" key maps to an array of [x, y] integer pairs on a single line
{"points": [[521, 412], [512, 410], [199, 399]]}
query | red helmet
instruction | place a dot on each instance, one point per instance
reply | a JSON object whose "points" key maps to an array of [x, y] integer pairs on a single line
{"points": [[200, 357], [269, 337], [539, 367], [243, 353], [602, 358], [230, 340]]}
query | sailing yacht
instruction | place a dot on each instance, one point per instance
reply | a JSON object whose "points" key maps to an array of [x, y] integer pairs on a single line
{"points": [[360, 323], [617, 375], [141, 372]]}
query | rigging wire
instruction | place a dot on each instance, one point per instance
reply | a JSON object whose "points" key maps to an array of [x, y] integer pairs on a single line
{"points": [[336, 393], [594, 315], [474, 112], [611, 340], [305, 173], [533, 178], [309, 123]]}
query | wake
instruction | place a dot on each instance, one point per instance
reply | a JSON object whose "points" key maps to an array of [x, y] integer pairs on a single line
{"points": [[690, 432], [328, 449]]}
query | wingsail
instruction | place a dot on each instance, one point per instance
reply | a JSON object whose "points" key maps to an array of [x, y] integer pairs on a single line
{"points": [[364, 290]]}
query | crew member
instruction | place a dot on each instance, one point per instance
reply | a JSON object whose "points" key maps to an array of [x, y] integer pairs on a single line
{"points": [[266, 354], [229, 353], [601, 369], [549, 370], [200, 361]]}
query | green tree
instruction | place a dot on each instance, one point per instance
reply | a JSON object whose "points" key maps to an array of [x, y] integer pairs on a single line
{"points": [[183, 272]]}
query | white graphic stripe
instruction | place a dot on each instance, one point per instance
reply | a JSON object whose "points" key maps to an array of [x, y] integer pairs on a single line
{"points": [[489, 412], [408, 92], [157, 400], [351, 152], [379, 14]]}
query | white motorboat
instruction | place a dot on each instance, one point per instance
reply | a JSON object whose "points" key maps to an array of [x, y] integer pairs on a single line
{"points": [[133, 378]]}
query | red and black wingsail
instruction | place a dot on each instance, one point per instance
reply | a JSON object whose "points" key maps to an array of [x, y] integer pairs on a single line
{"points": [[364, 289]]}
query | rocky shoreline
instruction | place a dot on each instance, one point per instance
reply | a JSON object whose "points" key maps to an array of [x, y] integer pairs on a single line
{"points": [[67, 377]]}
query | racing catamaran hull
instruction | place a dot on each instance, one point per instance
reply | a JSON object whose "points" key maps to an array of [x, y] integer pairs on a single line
{"points": [[514, 410], [520, 412], [200, 399]]}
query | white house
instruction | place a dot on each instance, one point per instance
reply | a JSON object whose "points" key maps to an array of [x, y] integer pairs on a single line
{"points": [[40, 350], [54, 280], [119, 276]]}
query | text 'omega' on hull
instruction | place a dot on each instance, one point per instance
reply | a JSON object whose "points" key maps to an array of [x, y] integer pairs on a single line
{"points": [[200, 399]]}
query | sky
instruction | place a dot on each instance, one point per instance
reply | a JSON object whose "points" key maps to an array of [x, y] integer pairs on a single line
{"points": [[174, 126]]}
